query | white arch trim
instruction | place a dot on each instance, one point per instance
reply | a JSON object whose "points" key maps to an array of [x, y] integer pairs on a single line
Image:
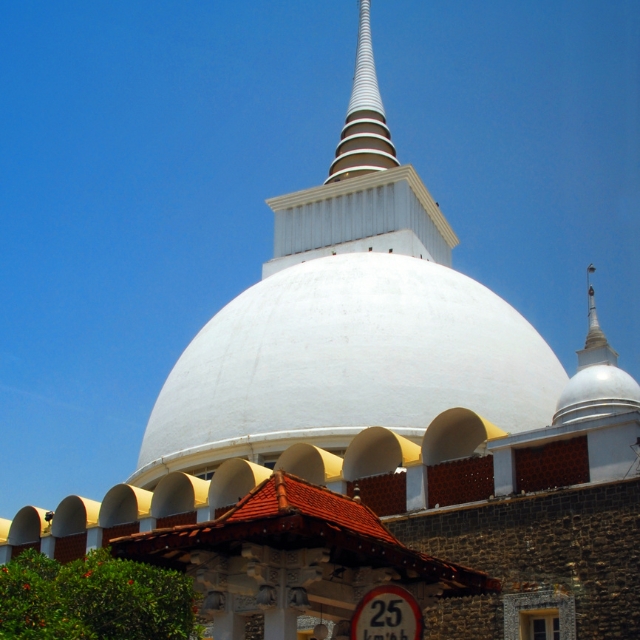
{"points": [[233, 479], [123, 504], [74, 514], [456, 433], [179, 492], [28, 525], [310, 463], [378, 450]]}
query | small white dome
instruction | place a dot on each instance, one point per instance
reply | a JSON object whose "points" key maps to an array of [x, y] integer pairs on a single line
{"points": [[595, 391], [321, 350]]}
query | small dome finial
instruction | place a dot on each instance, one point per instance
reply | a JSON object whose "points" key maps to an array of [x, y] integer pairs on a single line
{"points": [[365, 144], [596, 349], [595, 336]]}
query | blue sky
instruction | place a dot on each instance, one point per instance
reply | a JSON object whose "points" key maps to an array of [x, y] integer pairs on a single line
{"points": [[138, 141]]}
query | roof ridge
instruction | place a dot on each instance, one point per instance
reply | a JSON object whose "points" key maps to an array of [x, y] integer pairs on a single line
{"points": [[342, 496], [225, 516]]}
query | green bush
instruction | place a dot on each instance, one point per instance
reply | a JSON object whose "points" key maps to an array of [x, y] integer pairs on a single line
{"points": [[97, 598]]}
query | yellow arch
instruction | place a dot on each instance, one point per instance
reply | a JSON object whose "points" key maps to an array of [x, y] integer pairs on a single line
{"points": [[75, 514], [124, 503], [179, 492], [233, 479], [5, 526], [456, 433], [378, 450], [311, 463], [28, 525]]}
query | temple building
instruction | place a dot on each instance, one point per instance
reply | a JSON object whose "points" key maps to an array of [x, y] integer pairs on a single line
{"points": [[367, 415]]}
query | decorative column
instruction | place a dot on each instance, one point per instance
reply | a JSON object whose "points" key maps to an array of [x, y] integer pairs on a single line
{"points": [[280, 624]]}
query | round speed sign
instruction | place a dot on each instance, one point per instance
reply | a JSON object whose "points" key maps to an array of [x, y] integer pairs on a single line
{"points": [[387, 613]]}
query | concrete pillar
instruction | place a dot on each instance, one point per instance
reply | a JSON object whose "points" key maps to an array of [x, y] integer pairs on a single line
{"points": [[504, 472], [147, 524], [338, 486], [5, 553], [228, 626], [280, 624], [94, 538], [47, 546], [203, 514], [416, 488]]}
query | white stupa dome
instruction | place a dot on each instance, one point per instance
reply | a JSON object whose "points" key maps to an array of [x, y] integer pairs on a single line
{"points": [[325, 348], [597, 390]]}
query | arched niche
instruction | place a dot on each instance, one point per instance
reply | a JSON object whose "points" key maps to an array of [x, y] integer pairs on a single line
{"points": [[73, 515], [310, 463], [456, 433], [5, 527], [377, 450], [124, 504], [233, 479], [27, 526], [177, 493]]}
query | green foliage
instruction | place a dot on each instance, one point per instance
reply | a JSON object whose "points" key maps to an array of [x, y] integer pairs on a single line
{"points": [[98, 598]]}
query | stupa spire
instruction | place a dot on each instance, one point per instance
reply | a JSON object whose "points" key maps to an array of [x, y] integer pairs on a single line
{"points": [[365, 95], [595, 336], [597, 349], [365, 143]]}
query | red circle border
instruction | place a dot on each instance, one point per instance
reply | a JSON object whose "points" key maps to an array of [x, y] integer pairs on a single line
{"points": [[394, 589]]}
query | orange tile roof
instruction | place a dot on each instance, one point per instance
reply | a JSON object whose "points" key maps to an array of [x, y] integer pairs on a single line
{"points": [[286, 504], [283, 494]]}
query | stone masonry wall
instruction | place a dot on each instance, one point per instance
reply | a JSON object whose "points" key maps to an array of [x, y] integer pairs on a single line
{"points": [[582, 541]]}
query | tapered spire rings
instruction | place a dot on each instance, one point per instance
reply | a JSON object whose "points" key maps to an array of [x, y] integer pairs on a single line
{"points": [[365, 143]]}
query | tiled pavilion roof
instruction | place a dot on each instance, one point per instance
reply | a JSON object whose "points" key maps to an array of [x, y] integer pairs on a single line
{"points": [[287, 512]]}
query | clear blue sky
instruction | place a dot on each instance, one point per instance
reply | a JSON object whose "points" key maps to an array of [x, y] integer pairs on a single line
{"points": [[138, 141]]}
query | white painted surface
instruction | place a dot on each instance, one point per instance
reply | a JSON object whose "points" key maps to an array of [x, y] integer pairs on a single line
{"points": [[416, 488], [338, 486], [365, 94], [346, 341], [94, 538], [504, 472], [229, 626], [48, 546], [405, 243], [280, 624], [361, 213], [5, 553], [598, 390], [610, 454], [147, 524], [204, 514]]}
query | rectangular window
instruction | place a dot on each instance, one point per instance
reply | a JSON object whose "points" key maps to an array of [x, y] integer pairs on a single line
{"points": [[541, 615], [540, 626]]}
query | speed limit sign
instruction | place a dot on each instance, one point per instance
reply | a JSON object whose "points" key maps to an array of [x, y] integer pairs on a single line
{"points": [[387, 613]]}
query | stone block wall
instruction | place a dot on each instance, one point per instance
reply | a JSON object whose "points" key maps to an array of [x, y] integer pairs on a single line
{"points": [[582, 541]]}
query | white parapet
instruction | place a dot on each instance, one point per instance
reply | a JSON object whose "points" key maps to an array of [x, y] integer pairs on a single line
{"points": [[361, 208]]}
